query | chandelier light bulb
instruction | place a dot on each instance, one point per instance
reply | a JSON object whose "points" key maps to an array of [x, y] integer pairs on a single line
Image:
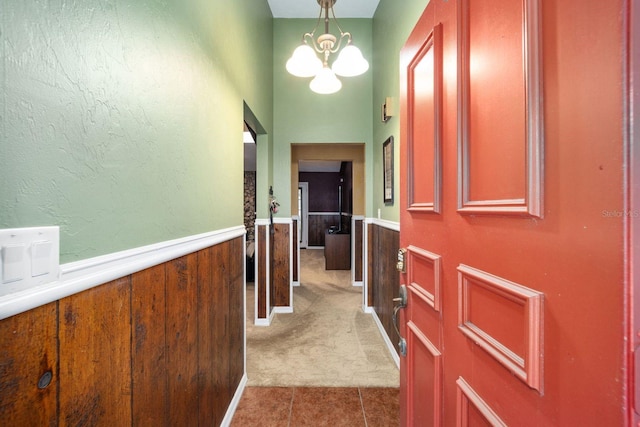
{"points": [[325, 82], [350, 62], [304, 62]]}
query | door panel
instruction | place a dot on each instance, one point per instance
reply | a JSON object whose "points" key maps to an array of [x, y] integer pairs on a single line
{"points": [[512, 212], [425, 395], [499, 97]]}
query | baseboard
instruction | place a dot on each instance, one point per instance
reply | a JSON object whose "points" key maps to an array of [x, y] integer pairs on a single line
{"points": [[81, 275], [359, 284], [262, 322], [383, 332], [233, 406], [295, 284], [282, 310]]}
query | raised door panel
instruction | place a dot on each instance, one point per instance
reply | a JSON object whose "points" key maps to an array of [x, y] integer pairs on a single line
{"points": [[500, 131], [424, 372], [424, 110]]}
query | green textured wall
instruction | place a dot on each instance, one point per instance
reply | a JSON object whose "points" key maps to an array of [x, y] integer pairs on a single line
{"points": [[121, 120], [302, 116], [391, 28]]}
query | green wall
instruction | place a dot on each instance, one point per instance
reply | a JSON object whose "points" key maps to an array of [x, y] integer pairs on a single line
{"points": [[392, 25], [121, 120], [302, 116], [351, 115]]}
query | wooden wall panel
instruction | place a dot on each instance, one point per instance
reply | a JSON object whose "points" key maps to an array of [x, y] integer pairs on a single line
{"points": [[261, 280], [358, 268], [280, 274], [149, 358], [318, 226], [385, 277], [164, 346], [206, 342], [237, 306], [371, 251], [220, 356], [181, 288], [29, 350], [95, 356], [296, 248]]}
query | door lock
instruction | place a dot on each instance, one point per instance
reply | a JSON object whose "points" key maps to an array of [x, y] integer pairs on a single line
{"points": [[401, 265]]}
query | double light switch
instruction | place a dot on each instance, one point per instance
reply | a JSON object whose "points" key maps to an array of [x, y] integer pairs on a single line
{"points": [[29, 257]]}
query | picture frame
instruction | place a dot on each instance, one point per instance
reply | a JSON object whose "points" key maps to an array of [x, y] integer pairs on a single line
{"points": [[387, 162]]}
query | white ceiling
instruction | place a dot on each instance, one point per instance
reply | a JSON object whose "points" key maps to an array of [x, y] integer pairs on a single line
{"points": [[311, 9]]}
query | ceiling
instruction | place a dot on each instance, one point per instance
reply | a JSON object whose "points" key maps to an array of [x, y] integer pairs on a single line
{"points": [[311, 9]]}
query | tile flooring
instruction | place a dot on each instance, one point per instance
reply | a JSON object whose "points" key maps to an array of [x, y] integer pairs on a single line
{"points": [[318, 406]]}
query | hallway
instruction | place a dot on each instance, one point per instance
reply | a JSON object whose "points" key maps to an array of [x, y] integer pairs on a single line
{"points": [[325, 364]]}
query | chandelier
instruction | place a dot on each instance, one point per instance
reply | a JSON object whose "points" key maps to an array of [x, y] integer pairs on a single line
{"points": [[305, 63]]}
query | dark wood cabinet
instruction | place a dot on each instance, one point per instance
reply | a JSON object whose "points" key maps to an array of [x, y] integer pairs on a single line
{"points": [[337, 251]]}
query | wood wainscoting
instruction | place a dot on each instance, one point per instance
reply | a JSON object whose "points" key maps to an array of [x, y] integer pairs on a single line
{"points": [[163, 346], [382, 279], [274, 275]]}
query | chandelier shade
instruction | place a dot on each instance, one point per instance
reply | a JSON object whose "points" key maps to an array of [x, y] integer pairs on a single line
{"points": [[350, 62], [325, 82], [305, 63]]}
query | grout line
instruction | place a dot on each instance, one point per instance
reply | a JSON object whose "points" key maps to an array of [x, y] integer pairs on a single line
{"points": [[364, 414], [293, 396]]}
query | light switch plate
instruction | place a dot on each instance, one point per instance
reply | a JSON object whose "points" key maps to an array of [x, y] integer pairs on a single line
{"points": [[30, 257]]}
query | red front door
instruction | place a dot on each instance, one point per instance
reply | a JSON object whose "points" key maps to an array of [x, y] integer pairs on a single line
{"points": [[513, 214]]}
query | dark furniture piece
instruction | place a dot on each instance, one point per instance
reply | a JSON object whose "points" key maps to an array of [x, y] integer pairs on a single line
{"points": [[337, 251]]}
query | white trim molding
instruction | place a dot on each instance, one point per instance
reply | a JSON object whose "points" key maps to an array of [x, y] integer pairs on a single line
{"points": [[81, 275], [391, 225], [233, 406]]}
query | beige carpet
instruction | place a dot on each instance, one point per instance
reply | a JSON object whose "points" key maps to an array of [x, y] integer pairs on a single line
{"points": [[327, 342]]}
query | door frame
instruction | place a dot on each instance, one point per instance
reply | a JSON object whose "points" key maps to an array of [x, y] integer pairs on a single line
{"points": [[303, 227]]}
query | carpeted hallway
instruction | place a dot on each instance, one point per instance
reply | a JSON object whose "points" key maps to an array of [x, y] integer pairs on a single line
{"points": [[327, 342], [326, 364]]}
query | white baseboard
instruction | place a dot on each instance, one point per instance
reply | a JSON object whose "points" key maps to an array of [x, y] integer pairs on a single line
{"points": [[383, 332], [262, 322], [285, 310], [231, 410]]}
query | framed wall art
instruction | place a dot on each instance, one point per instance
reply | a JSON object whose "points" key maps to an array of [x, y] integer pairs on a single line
{"points": [[387, 161]]}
